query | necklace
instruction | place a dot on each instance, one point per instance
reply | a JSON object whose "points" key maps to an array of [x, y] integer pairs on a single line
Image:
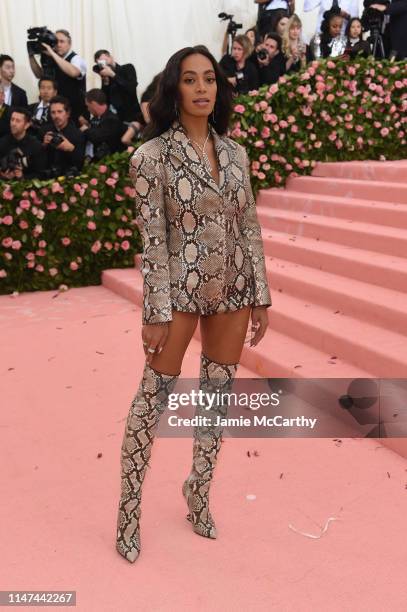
{"points": [[204, 155]]}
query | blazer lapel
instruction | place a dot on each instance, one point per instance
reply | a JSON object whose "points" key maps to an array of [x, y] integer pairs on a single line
{"points": [[179, 145]]}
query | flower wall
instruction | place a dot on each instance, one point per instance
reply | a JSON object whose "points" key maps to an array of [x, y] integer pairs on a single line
{"points": [[64, 233], [335, 110]]}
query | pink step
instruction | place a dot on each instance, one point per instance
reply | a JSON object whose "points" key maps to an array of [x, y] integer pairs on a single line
{"points": [[380, 306], [376, 268], [380, 213], [278, 355], [351, 188], [381, 352], [383, 239], [389, 171]]}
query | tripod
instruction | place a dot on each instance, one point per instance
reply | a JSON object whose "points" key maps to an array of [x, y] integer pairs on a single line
{"points": [[376, 41]]}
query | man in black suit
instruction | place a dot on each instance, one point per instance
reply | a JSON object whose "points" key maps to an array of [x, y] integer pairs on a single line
{"points": [[120, 86], [14, 95], [20, 150], [104, 130], [40, 110], [65, 144], [4, 114]]}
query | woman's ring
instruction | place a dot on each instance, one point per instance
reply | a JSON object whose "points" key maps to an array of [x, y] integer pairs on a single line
{"points": [[151, 350]]}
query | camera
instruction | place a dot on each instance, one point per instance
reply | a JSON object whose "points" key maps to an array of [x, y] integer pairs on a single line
{"points": [[372, 19], [262, 54], [55, 140], [37, 36], [100, 64], [13, 160], [232, 25]]}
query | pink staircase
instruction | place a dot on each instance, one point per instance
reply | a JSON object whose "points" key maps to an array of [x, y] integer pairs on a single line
{"points": [[336, 256]]}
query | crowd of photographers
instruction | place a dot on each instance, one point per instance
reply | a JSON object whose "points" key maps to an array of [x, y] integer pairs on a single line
{"points": [[70, 124]]}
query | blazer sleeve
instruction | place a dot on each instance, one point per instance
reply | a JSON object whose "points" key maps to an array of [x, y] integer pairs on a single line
{"points": [[252, 233], [150, 214]]}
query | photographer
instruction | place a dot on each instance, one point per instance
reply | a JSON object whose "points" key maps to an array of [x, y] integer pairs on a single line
{"points": [[4, 114], [270, 59], [119, 82], [65, 144], [66, 68], [20, 154], [104, 130], [398, 25], [40, 110], [241, 73], [13, 94], [270, 12]]}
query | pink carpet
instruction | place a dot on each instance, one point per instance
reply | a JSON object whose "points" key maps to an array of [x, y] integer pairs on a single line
{"points": [[70, 365]]}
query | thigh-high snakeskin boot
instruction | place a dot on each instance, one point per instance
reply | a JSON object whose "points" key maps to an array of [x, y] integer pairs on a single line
{"points": [[206, 445], [142, 422]]}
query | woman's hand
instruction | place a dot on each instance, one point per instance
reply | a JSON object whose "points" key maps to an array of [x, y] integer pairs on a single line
{"points": [[154, 337], [259, 324]]}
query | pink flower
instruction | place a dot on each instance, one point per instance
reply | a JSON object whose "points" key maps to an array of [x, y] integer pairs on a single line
{"points": [[16, 245], [263, 158], [384, 131], [91, 225], [120, 233], [3, 273], [94, 193], [261, 176], [8, 194], [330, 64], [307, 111], [255, 165], [118, 197], [273, 88], [259, 144], [108, 246], [102, 169], [294, 129], [96, 246], [25, 204], [89, 212], [7, 242], [330, 98], [111, 182], [283, 124], [239, 108], [42, 244], [8, 220], [66, 241], [125, 245], [77, 187], [265, 133], [73, 265], [39, 268], [93, 181], [57, 188], [64, 207], [53, 271], [106, 212], [23, 224], [263, 105]]}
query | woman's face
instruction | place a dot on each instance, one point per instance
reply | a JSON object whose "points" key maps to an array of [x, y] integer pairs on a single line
{"points": [[281, 26], [237, 52], [355, 29], [197, 86], [295, 32], [335, 26]]}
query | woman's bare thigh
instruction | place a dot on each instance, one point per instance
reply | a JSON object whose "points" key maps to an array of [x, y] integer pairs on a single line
{"points": [[180, 332], [223, 335]]}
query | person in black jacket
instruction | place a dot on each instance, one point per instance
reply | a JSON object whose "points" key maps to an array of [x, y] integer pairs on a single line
{"points": [[271, 67], [20, 154], [65, 143], [47, 89], [398, 25], [4, 114], [14, 95], [104, 130], [119, 82], [241, 73]]}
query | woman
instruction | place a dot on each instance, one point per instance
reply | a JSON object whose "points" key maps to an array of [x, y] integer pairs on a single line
{"points": [[354, 37], [281, 25], [241, 73], [333, 44], [296, 52], [203, 259]]}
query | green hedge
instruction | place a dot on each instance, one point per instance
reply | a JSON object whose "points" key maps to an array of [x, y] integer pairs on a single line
{"points": [[63, 233]]}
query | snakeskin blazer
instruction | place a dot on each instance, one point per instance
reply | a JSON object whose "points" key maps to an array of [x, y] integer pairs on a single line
{"points": [[202, 245]]}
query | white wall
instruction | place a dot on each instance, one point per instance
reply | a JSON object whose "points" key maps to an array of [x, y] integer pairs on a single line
{"points": [[144, 32]]}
